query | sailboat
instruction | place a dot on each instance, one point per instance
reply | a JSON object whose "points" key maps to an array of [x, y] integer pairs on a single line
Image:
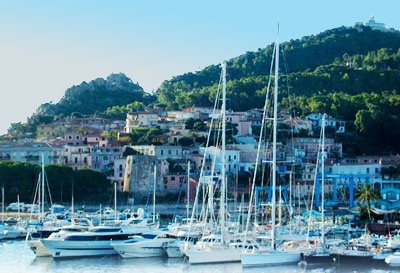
{"points": [[37, 230], [318, 253], [216, 247], [261, 256], [49, 223]]}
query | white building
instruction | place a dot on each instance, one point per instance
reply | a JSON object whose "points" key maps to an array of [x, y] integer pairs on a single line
{"points": [[160, 152], [232, 158]]}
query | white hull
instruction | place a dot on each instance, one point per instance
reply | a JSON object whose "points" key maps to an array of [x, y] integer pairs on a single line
{"points": [[210, 255], [141, 249], [38, 248], [9, 233], [270, 258], [95, 242], [173, 251], [393, 260], [141, 253], [354, 252], [65, 249]]}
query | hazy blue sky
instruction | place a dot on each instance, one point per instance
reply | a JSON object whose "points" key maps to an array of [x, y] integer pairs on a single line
{"points": [[47, 47]]}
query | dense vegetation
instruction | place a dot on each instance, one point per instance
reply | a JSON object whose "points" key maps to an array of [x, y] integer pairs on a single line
{"points": [[21, 180], [350, 73]]}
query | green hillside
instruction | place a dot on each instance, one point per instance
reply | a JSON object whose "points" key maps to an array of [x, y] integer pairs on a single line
{"points": [[348, 60], [350, 73]]}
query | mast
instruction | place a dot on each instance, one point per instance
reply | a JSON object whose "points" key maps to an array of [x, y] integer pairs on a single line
{"points": [[323, 179], [154, 193], [18, 211], [223, 151], [274, 139], [72, 204], [188, 189], [115, 201], [42, 190], [2, 204]]}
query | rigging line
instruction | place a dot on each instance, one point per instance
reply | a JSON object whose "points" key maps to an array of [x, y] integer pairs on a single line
{"points": [[252, 193], [204, 211], [290, 97], [319, 154], [48, 188]]}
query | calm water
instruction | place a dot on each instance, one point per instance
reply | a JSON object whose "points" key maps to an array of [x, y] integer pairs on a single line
{"points": [[15, 257]]}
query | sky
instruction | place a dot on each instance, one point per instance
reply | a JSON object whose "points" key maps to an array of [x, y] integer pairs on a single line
{"points": [[48, 46]]}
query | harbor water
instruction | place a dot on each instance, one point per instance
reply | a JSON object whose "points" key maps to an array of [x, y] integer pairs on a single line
{"points": [[16, 257]]}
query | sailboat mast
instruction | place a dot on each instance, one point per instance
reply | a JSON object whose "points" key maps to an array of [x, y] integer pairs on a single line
{"points": [[188, 189], [42, 192], [323, 178], [274, 140], [2, 204], [154, 193], [115, 200], [223, 151]]}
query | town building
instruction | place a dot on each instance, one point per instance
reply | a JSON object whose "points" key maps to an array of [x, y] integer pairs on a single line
{"points": [[140, 119]]}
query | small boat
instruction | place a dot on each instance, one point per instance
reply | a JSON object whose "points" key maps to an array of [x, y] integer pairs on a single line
{"points": [[351, 251], [393, 259], [8, 232], [213, 249], [145, 245]]}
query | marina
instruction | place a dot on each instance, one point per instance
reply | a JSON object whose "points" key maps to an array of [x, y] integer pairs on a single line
{"points": [[266, 232], [15, 256]]}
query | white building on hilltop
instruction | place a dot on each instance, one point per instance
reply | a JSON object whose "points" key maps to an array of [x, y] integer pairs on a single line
{"points": [[375, 25]]}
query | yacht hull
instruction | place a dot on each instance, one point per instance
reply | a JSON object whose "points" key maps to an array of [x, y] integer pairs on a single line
{"points": [[269, 258]]}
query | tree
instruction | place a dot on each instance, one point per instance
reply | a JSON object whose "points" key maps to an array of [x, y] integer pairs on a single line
{"points": [[186, 142], [189, 123], [365, 195]]}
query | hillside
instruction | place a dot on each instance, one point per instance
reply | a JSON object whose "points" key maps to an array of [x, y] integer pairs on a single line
{"points": [[97, 96], [350, 73], [313, 65]]}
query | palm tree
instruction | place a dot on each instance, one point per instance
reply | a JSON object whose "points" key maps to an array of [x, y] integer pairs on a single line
{"points": [[365, 195]]}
